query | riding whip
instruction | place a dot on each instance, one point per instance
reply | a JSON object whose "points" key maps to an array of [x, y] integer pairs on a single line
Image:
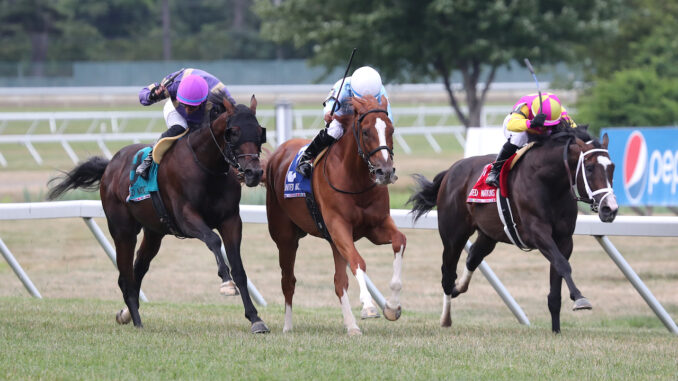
{"points": [[334, 106], [531, 69]]}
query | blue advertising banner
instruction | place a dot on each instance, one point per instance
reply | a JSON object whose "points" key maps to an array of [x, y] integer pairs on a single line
{"points": [[646, 165]]}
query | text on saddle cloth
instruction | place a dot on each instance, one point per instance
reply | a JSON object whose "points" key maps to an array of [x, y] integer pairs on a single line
{"points": [[296, 185]]}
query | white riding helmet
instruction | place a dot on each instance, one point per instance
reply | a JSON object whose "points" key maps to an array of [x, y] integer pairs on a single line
{"points": [[366, 81]]}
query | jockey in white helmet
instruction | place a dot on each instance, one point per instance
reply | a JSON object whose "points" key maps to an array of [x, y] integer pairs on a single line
{"points": [[364, 81]]}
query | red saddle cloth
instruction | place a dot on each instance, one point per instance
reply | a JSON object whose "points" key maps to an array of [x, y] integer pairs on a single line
{"points": [[483, 193]]}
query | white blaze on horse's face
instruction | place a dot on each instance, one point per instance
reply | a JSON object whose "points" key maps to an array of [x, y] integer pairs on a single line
{"points": [[380, 125]]}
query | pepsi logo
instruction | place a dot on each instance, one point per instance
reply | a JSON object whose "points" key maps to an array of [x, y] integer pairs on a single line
{"points": [[635, 167]]}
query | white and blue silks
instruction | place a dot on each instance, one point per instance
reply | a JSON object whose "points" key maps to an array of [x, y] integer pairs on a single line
{"points": [[345, 107]]}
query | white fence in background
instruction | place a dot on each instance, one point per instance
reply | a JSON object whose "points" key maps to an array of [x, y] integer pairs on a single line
{"points": [[113, 126], [586, 225]]}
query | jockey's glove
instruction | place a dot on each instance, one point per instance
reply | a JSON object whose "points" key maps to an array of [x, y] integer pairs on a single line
{"points": [[538, 121]]}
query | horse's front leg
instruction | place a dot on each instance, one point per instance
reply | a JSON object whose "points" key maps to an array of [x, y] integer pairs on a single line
{"points": [[548, 247], [388, 233], [231, 232], [342, 235], [193, 225]]}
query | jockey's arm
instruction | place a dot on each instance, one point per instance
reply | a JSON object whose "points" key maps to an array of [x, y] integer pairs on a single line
{"points": [[518, 122], [157, 91]]}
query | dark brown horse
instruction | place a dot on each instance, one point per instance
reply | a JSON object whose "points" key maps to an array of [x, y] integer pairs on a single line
{"points": [[349, 186], [200, 191], [541, 187]]}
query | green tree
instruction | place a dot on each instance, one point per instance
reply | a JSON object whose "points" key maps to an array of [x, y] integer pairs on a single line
{"points": [[635, 78], [432, 39], [34, 19]]}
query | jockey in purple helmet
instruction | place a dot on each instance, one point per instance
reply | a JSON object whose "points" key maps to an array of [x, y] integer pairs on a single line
{"points": [[195, 96], [530, 115]]}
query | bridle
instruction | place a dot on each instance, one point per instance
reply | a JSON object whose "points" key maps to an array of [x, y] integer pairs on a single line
{"points": [[574, 188], [357, 129], [228, 152]]}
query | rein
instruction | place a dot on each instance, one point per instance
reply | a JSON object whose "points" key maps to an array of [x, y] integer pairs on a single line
{"points": [[574, 188], [357, 126]]}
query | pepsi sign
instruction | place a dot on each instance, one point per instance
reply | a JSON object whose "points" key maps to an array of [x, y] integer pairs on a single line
{"points": [[646, 165]]}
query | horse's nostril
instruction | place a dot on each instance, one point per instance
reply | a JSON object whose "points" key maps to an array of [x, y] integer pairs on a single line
{"points": [[379, 172]]}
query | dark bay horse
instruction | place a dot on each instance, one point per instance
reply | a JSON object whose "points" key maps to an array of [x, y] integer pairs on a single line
{"points": [[349, 186], [541, 187], [200, 190]]}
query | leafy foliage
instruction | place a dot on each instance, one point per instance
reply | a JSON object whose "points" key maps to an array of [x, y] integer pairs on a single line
{"points": [[431, 39], [636, 74]]}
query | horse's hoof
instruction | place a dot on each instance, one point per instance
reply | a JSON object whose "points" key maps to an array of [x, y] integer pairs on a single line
{"points": [[260, 327], [369, 313], [229, 289], [123, 316], [582, 304], [392, 314], [354, 332]]}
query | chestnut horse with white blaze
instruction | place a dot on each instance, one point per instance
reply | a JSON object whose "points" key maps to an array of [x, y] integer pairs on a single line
{"points": [[541, 187], [349, 185]]}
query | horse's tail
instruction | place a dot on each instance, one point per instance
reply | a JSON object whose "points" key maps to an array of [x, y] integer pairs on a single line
{"points": [[86, 176], [424, 199]]}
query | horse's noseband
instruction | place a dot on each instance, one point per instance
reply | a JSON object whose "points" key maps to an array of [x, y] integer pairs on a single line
{"points": [[357, 127]]}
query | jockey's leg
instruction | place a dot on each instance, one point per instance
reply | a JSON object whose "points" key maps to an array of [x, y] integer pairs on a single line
{"points": [[506, 151], [324, 139], [176, 125]]}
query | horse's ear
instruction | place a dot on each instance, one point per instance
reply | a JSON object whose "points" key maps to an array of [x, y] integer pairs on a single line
{"points": [[253, 104], [606, 140], [230, 110], [383, 102]]}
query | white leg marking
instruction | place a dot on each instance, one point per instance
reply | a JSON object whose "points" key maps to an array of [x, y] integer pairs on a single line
{"points": [[288, 318], [380, 125], [396, 282], [465, 280], [445, 318], [349, 319], [365, 296]]}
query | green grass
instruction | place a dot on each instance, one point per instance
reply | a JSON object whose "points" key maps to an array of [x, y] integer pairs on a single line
{"points": [[78, 339]]}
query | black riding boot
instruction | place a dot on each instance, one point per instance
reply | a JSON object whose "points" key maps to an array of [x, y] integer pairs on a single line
{"points": [[322, 140], [142, 169], [506, 151]]}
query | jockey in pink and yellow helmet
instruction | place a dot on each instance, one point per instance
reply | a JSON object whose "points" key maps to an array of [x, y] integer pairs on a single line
{"points": [[530, 115]]}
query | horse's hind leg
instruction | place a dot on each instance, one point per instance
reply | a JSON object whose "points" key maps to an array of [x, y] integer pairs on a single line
{"points": [[150, 245], [125, 241], [479, 250], [453, 244]]}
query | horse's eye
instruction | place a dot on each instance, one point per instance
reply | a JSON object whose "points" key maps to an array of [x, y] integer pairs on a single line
{"points": [[589, 168], [366, 133]]}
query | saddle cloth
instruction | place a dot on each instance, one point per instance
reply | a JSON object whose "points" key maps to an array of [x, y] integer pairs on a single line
{"points": [[140, 188], [483, 193], [296, 185]]}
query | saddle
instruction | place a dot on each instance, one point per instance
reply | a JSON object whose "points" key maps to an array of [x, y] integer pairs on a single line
{"points": [[164, 144]]}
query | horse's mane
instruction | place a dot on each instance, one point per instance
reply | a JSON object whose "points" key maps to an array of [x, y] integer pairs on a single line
{"points": [[562, 132]]}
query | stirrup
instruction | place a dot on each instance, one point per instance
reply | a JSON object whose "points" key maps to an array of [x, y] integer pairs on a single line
{"points": [[143, 169]]}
